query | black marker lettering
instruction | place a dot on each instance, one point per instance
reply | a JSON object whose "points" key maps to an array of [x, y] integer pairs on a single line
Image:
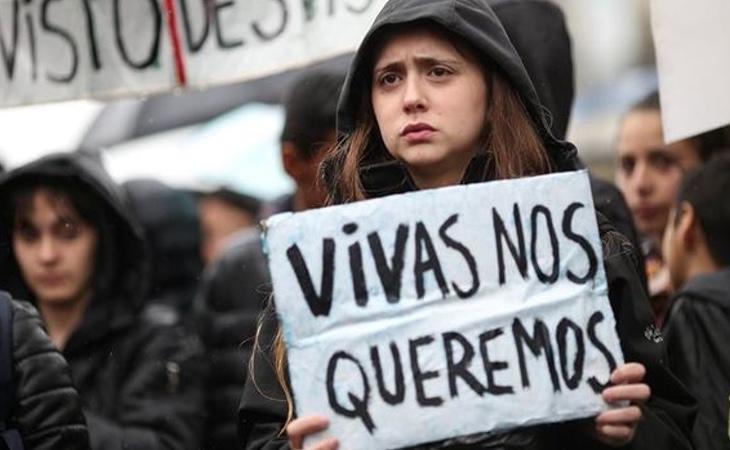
{"points": [[500, 233], [540, 340], [268, 36], [154, 51], [223, 42], [390, 274], [595, 319], [399, 395], [66, 36], [9, 54], [492, 366], [418, 376], [195, 44], [572, 381], [552, 277], [468, 257], [321, 303], [359, 405], [431, 263], [460, 369], [91, 30], [583, 242]]}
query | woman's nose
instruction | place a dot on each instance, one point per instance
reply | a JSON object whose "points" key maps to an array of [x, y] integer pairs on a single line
{"points": [[414, 96], [643, 179], [47, 250]]}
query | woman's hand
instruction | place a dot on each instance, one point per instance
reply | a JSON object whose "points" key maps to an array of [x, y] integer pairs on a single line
{"points": [[617, 426], [302, 427]]}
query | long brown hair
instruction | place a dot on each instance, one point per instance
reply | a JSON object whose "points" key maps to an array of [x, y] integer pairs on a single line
{"points": [[511, 144]]}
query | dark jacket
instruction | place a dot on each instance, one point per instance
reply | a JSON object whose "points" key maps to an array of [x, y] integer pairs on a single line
{"points": [[697, 333], [140, 382], [667, 416], [171, 226], [47, 410], [538, 31], [233, 293]]}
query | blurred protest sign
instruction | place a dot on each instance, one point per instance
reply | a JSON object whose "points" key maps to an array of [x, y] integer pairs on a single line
{"points": [[692, 43], [66, 49], [476, 307]]}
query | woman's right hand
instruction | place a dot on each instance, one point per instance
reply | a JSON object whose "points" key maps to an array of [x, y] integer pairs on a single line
{"points": [[302, 427]]}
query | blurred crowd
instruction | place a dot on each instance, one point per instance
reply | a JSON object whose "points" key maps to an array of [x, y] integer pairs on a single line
{"points": [[135, 306]]}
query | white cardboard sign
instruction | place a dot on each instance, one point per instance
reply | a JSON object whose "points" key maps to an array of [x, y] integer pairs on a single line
{"points": [[692, 44], [54, 50], [440, 313]]}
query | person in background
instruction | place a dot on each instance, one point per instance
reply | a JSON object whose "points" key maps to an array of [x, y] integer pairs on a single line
{"points": [[75, 251], [236, 286], [309, 129], [42, 404], [697, 252], [171, 225], [649, 172], [540, 35], [224, 212], [437, 96]]}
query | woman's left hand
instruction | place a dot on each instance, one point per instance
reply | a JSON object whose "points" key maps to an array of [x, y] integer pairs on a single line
{"points": [[616, 427]]}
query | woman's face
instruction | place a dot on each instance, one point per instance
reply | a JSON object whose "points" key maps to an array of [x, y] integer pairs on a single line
{"points": [[55, 250], [650, 171], [430, 104]]}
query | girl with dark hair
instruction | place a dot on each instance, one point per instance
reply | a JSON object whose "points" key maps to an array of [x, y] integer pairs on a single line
{"points": [[437, 96], [71, 247]]}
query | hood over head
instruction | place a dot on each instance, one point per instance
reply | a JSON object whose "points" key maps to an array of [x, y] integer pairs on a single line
{"points": [[475, 22], [171, 224], [538, 31], [119, 280]]}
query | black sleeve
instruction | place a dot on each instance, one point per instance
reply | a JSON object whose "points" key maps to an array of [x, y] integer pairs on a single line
{"points": [[263, 410], [161, 402], [47, 407], [669, 413], [697, 338]]}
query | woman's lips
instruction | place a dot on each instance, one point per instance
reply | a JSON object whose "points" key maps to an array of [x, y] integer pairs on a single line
{"points": [[51, 280], [417, 133], [648, 212]]}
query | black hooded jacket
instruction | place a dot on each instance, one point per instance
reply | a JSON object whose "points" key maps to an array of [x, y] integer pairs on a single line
{"points": [[697, 333], [47, 408], [170, 221], [140, 382], [667, 415]]}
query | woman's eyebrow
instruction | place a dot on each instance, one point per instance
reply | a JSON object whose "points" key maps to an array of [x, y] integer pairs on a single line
{"points": [[393, 65]]}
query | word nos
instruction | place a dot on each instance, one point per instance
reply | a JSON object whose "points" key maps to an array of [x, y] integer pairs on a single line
{"points": [[26, 25], [510, 242], [563, 349]]}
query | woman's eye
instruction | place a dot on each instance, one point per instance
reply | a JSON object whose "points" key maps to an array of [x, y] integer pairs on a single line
{"points": [[27, 234], [662, 161], [68, 230], [388, 79], [440, 72]]}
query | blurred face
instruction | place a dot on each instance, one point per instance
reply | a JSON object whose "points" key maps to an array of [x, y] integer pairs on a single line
{"points": [[430, 105], [218, 222], [55, 250], [649, 171]]}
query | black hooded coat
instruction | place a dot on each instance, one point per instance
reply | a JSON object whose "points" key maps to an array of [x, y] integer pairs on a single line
{"points": [[141, 383], [697, 333], [667, 415], [46, 407]]}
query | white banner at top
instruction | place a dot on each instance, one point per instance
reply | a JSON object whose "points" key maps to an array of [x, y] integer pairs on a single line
{"points": [[53, 50]]}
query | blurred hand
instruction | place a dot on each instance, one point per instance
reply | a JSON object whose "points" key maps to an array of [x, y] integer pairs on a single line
{"points": [[302, 427], [617, 426]]}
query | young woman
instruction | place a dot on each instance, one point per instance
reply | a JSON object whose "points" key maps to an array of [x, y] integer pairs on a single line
{"points": [[68, 243], [437, 96]]}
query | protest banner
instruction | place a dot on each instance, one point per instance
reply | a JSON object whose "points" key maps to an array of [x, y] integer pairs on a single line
{"points": [[440, 313], [54, 50], [692, 44]]}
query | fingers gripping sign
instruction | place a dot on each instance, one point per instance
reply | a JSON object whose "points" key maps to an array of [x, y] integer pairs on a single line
{"points": [[617, 426]]}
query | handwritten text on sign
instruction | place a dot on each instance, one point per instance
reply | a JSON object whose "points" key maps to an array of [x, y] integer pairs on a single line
{"points": [[64, 49], [446, 312]]}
